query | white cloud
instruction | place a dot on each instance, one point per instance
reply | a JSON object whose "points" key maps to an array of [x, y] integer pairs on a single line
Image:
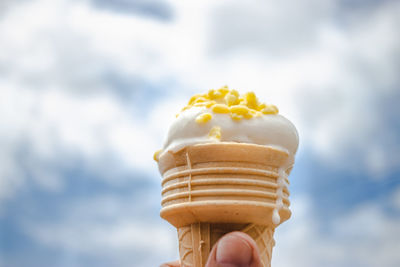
{"points": [[396, 199], [95, 238], [47, 129], [365, 236], [108, 227], [57, 105], [280, 28]]}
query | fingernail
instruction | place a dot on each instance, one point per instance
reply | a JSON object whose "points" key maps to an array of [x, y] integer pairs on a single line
{"points": [[232, 251]]}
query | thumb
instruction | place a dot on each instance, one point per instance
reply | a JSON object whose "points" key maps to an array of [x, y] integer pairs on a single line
{"points": [[235, 249]]}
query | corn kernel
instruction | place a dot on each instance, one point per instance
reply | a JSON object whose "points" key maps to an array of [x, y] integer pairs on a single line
{"points": [[220, 108], [239, 109], [203, 118], [215, 132], [156, 154]]}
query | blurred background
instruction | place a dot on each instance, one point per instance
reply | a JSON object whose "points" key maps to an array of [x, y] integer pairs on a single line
{"points": [[89, 87]]}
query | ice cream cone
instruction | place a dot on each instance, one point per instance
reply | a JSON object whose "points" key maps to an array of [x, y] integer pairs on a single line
{"points": [[196, 240], [215, 188]]}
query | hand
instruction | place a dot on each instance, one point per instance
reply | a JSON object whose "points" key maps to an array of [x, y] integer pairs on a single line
{"points": [[233, 249]]}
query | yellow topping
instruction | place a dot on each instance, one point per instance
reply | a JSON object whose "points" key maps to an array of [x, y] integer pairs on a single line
{"points": [[210, 104], [261, 107], [199, 104], [156, 154], [239, 109], [203, 118], [220, 108], [224, 90], [214, 94], [248, 115], [227, 101], [255, 113], [194, 98], [236, 117], [270, 109], [215, 132], [231, 99], [235, 93], [251, 100]]}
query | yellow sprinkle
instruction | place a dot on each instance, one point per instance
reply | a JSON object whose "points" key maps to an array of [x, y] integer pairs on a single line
{"points": [[231, 99], [227, 101], [270, 109], [220, 108], [185, 108], [223, 90], [235, 93], [251, 99], [248, 115], [255, 113], [203, 118], [211, 94], [236, 117], [193, 99], [215, 132], [209, 104], [215, 94], [200, 99], [200, 104], [261, 107], [156, 154], [239, 109]]}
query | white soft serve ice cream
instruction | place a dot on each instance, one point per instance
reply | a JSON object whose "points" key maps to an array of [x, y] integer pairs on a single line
{"points": [[271, 130], [225, 116]]}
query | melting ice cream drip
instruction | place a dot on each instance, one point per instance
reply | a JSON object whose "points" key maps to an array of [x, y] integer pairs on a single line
{"points": [[276, 218]]}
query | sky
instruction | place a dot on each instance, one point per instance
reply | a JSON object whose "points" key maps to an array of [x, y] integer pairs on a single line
{"points": [[88, 89]]}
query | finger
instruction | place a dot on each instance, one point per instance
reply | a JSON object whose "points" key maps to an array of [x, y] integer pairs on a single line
{"points": [[171, 264], [234, 249]]}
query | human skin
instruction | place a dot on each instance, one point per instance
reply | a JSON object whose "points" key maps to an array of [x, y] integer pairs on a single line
{"points": [[235, 249]]}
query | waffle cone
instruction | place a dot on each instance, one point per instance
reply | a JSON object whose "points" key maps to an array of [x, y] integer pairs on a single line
{"points": [[212, 189], [196, 240]]}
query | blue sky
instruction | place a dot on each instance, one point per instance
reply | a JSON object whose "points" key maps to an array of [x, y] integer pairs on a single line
{"points": [[89, 88]]}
